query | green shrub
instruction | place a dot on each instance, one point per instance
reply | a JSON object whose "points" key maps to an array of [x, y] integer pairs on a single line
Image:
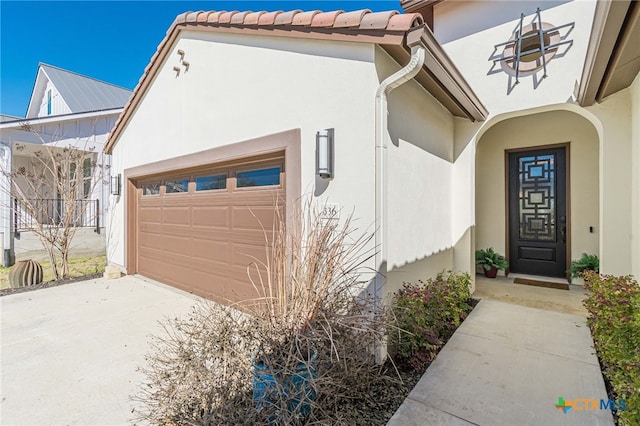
{"points": [[614, 320], [588, 262], [427, 314]]}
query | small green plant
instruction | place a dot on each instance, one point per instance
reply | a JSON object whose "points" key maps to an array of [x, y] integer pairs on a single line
{"points": [[489, 259], [427, 314], [588, 262], [614, 319]]}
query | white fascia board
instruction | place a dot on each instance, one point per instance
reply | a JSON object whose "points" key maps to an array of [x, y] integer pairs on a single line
{"points": [[60, 118]]}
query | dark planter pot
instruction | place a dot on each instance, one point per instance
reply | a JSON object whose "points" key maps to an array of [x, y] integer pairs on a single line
{"points": [[491, 273], [296, 387]]}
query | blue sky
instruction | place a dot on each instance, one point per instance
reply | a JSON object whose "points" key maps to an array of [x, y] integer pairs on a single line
{"points": [[112, 41]]}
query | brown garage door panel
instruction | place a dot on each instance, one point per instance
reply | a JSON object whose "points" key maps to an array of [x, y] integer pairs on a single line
{"points": [[210, 216], [255, 217], [221, 256], [149, 214], [167, 263], [211, 243], [176, 216], [245, 254]]}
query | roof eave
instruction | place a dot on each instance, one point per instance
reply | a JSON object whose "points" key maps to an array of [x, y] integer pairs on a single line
{"points": [[18, 122], [454, 92], [440, 77], [609, 18]]}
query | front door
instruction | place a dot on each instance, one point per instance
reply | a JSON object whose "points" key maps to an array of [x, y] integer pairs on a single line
{"points": [[538, 212]]}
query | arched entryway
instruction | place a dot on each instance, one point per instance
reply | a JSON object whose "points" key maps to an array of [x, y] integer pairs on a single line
{"points": [[537, 190]]}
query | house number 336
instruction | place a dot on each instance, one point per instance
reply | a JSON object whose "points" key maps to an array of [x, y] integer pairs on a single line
{"points": [[330, 211]]}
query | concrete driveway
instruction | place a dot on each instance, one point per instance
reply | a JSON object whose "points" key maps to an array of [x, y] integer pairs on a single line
{"points": [[69, 353]]}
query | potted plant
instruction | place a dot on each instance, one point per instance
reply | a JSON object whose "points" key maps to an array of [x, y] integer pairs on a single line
{"points": [[491, 262], [587, 262]]}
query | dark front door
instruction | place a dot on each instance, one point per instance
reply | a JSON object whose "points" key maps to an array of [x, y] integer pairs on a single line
{"points": [[538, 212]]}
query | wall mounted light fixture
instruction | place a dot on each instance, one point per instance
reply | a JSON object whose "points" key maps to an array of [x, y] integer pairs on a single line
{"points": [[115, 184], [325, 153]]}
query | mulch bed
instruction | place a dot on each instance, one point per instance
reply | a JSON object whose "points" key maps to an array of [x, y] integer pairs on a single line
{"points": [[388, 399], [392, 396], [47, 284]]}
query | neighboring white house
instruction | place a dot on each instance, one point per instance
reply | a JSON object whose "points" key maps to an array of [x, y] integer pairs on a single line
{"points": [[427, 122], [65, 110]]}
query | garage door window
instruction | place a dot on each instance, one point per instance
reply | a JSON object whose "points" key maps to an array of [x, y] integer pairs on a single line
{"points": [[209, 183], [178, 185], [260, 177], [152, 188]]}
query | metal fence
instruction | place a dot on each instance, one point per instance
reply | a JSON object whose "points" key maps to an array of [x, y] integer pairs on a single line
{"points": [[27, 215]]}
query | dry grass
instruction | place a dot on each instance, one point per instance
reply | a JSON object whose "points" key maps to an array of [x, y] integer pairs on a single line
{"points": [[78, 267], [311, 323]]}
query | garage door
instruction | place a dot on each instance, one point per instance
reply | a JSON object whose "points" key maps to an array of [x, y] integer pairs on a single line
{"points": [[205, 230]]}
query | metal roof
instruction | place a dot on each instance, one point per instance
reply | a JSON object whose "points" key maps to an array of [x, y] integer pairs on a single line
{"points": [[5, 117], [83, 93]]}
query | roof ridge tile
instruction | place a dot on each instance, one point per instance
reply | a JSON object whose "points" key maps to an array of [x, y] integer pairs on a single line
{"points": [[286, 18], [350, 19], [214, 17], [376, 20], [225, 17], [253, 17], [304, 18], [326, 19], [269, 18], [404, 22], [238, 17]]}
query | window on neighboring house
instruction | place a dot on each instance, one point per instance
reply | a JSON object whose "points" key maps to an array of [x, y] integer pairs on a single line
{"points": [[86, 177], [49, 102], [81, 180], [73, 176]]}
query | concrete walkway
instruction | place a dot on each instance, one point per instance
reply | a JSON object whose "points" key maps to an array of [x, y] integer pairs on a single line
{"points": [[508, 364], [69, 353]]}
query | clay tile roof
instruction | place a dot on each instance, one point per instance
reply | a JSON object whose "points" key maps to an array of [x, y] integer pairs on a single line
{"points": [[225, 17], [356, 20], [404, 22], [192, 16], [350, 19], [377, 20], [180, 19], [214, 17], [269, 18], [202, 17], [304, 18], [238, 18], [286, 18], [325, 19], [253, 18]]}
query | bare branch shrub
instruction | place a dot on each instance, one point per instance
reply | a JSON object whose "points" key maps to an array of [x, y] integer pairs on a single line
{"points": [[312, 322], [49, 188]]}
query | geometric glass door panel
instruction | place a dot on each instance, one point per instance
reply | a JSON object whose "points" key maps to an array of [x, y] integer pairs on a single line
{"points": [[537, 212]]}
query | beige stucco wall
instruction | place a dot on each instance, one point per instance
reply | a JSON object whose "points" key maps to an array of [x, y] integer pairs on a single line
{"points": [[420, 182], [614, 114], [243, 87], [545, 128], [635, 177]]}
